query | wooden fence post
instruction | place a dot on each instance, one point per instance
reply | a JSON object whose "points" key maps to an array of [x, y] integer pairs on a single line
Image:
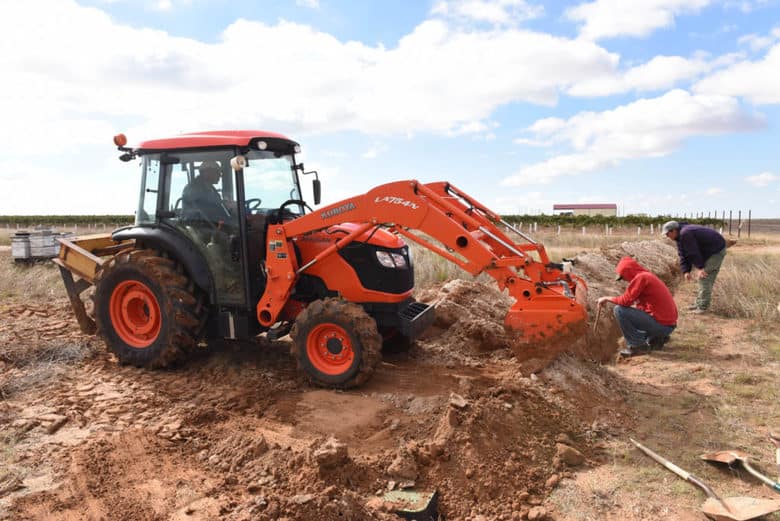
{"points": [[739, 225]]}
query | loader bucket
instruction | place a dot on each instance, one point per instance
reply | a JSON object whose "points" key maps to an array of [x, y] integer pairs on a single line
{"points": [[543, 327]]}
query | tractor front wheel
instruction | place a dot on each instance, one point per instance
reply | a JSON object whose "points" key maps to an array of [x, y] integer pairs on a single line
{"points": [[336, 343], [146, 309]]}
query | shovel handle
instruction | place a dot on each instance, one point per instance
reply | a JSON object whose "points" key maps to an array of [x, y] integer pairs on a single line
{"points": [[765, 480], [596, 322], [687, 476]]}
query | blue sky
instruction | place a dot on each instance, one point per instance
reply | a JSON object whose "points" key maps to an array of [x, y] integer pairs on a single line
{"points": [[660, 106]]}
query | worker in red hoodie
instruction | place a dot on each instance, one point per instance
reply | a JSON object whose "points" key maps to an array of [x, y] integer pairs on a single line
{"points": [[648, 324]]}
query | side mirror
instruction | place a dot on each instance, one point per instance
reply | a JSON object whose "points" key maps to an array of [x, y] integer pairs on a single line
{"points": [[316, 188]]}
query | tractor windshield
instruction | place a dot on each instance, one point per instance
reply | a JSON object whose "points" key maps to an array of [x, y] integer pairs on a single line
{"points": [[269, 181]]}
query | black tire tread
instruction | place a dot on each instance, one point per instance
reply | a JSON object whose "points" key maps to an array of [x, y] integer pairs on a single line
{"points": [[185, 309], [357, 322]]}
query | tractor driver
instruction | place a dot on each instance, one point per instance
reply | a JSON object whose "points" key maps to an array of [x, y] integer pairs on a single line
{"points": [[201, 199]]}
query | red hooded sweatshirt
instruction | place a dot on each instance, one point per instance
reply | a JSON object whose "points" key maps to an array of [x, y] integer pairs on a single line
{"points": [[646, 290]]}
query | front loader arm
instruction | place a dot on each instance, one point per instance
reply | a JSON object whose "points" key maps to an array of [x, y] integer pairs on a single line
{"points": [[467, 235]]}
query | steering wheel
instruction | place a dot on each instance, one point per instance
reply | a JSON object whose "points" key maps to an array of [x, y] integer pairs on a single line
{"points": [[278, 215], [252, 204], [288, 202]]}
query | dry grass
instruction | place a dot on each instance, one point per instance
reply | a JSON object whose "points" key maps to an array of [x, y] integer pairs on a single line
{"points": [[36, 281], [42, 366], [431, 269], [748, 286]]}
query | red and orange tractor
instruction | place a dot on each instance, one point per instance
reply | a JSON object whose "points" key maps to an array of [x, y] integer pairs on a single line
{"points": [[224, 246]]}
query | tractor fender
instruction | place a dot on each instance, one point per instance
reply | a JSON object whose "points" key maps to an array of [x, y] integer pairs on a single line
{"points": [[179, 247]]}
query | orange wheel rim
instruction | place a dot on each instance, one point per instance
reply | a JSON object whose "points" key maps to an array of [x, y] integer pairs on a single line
{"points": [[135, 314], [329, 349]]}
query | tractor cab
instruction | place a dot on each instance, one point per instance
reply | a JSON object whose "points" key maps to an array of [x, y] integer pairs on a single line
{"points": [[218, 191]]}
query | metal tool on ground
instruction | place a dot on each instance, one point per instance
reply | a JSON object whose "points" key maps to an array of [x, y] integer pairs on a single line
{"points": [[596, 322], [738, 457], [414, 505], [730, 508], [774, 437]]}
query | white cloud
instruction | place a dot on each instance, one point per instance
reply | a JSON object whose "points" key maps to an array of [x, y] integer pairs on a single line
{"points": [[746, 6], [611, 18], [758, 42], [755, 42], [645, 128], [113, 73], [169, 5], [714, 191], [758, 81], [762, 179], [496, 12], [660, 72]]}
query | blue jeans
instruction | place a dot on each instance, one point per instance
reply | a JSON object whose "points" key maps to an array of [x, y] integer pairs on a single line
{"points": [[639, 327]]}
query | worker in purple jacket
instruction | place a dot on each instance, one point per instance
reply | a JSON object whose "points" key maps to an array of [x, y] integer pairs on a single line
{"points": [[699, 248]]}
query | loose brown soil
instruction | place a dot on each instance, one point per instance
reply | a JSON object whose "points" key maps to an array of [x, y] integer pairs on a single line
{"points": [[235, 433]]}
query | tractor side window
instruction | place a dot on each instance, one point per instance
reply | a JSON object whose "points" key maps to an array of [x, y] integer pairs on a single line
{"points": [[150, 183], [181, 175]]}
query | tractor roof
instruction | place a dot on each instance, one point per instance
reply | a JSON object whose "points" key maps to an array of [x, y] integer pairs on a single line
{"points": [[211, 138]]}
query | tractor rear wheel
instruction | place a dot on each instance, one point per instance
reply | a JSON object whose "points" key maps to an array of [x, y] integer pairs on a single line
{"points": [[336, 343], [146, 309]]}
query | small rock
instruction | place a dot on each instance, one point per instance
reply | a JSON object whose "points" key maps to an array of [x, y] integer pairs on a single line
{"points": [[523, 497], [537, 513], [302, 499], [56, 425], [391, 485], [406, 484], [403, 466], [331, 454], [452, 418], [564, 438], [552, 481], [569, 455], [469, 473], [458, 401]]}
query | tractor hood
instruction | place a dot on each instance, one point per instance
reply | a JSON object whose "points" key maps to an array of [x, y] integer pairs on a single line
{"points": [[380, 237]]}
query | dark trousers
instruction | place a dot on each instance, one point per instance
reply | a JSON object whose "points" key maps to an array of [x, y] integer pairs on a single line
{"points": [[639, 327]]}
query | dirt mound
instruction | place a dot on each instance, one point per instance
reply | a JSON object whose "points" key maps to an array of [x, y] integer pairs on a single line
{"points": [[236, 434], [470, 315], [469, 321]]}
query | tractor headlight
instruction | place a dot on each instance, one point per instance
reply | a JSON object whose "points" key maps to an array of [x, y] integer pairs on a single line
{"points": [[399, 260], [391, 260], [385, 259]]}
